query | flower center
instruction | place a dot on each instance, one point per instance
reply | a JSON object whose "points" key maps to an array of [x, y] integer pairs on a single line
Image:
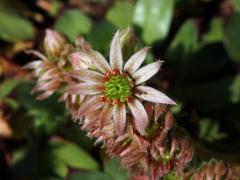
{"points": [[118, 87]]}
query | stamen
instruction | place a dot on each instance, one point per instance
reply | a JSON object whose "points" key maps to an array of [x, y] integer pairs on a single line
{"points": [[117, 86]]}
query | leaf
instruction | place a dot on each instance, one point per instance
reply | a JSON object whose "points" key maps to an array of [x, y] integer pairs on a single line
{"points": [[90, 176], [154, 17], [14, 27], [73, 23], [183, 44], [47, 115], [212, 95], [55, 166], [231, 38], [215, 33], [73, 155], [236, 5], [205, 63], [113, 168], [7, 87], [98, 39], [210, 131], [121, 14], [79, 137], [27, 100]]}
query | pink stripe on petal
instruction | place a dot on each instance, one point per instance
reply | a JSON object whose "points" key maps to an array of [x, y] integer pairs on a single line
{"points": [[100, 62], [49, 74], [150, 94], [80, 60], [105, 115], [139, 114], [83, 89], [94, 107], [146, 72], [45, 95], [119, 117], [116, 53], [88, 76], [135, 61], [37, 53], [86, 105], [32, 65]]}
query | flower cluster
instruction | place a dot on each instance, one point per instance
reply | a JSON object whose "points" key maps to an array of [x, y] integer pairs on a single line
{"points": [[111, 102], [212, 170]]}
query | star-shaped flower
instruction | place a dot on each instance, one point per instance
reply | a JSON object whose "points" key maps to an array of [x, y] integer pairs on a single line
{"points": [[116, 89]]}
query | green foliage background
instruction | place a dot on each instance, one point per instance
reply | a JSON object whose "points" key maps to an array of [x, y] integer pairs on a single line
{"points": [[199, 40]]}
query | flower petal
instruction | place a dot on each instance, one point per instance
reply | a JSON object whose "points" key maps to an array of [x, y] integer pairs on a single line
{"points": [[37, 53], [135, 61], [100, 62], [49, 74], [116, 53], [45, 95], [83, 89], [94, 107], [139, 114], [105, 115], [146, 72], [32, 65], [86, 105], [88, 76], [47, 86], [119, 117], [80, 60], [150, 94]]}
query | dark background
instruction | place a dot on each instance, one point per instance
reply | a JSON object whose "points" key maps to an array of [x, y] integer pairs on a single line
{"points": [[199, 40]]}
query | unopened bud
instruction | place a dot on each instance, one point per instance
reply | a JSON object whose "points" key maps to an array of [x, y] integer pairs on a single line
{"points": [[80, 60], [53, 43], [128, 42]]}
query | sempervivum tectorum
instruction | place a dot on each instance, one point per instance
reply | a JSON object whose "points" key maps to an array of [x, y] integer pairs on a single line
{"points": [[212, 170], [60, 57], [118, 89], [161, 150]]}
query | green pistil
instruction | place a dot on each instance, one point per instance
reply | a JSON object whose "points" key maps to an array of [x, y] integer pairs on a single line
{"points": [[118, 87]]}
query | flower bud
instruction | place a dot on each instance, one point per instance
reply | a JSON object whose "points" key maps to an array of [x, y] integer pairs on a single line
{"points": [[80, 60], [53, 43], [128, 42]]}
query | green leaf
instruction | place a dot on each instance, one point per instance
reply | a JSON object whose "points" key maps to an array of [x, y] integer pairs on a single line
{"points": [[78, 136], [120, 14], [73, 155], [209, 130], [73, 23], [90, 176], [12, 103], [212, 95], [204, 63], [113, 168], [55, 166], [154, 17], [99, 40], [47, 115], [7, 87], [14, 27], [231, 38], [215, 33], [236, 5], [183, 44]]}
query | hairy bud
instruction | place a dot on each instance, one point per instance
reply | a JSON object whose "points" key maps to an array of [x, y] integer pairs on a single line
{"points": [[53, 43]]}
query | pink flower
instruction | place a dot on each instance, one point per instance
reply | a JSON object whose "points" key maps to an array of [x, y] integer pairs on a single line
{"points": [[115, 89]]}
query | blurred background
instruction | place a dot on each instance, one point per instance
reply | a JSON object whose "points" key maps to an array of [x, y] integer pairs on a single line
{"points": [[199, 40]]}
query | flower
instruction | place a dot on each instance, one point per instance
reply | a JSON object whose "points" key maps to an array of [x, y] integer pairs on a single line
{"points": [[115, 88], [54, 43], [60, 57], [212, 169]]}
